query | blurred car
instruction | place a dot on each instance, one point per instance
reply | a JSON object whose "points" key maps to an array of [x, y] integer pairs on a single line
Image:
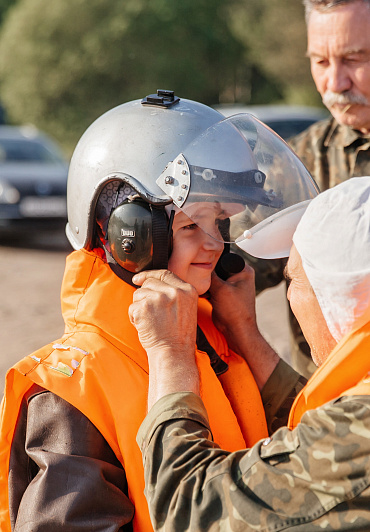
{"points": [[286, 120], [33, 180]]}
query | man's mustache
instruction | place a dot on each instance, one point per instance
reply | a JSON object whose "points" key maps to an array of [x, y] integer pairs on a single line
{"points": [[343, 98]]}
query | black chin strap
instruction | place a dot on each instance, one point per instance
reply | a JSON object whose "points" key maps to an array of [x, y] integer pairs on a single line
{"points": [[161, 235]]}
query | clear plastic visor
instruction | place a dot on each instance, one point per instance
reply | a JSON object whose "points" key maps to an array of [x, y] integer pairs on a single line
{"points": [[234, 176]]}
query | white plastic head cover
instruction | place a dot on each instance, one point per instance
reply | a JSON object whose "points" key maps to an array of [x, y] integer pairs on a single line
{"points": [[333, 240]]}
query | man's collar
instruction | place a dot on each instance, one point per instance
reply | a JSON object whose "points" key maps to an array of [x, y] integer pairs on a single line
{"points": [[341, 135]]}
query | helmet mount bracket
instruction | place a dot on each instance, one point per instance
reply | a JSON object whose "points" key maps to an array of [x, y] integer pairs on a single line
{"points": [[163, 98]]}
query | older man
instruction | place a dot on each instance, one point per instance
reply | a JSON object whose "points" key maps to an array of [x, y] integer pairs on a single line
{"points": [[338, 148], [338, 45], [314, 474]]}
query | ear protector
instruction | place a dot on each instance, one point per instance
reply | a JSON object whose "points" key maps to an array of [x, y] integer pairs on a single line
{"points": [[139, 236]]}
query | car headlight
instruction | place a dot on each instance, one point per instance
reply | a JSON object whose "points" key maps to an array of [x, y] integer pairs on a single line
{"points": [[8, 193]]}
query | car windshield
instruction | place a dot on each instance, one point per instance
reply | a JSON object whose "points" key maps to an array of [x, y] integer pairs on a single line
{"points": [[20, 150]]}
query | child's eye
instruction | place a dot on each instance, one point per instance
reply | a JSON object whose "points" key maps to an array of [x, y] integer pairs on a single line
{"points": [[190, 227]]}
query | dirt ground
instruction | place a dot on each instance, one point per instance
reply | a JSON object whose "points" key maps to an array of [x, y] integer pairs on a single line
{"points": [[30, 278]]}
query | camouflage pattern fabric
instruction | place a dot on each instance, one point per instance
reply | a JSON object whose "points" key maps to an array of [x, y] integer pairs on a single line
{"points": [[332, 153], [278, 395], [311, 479]]}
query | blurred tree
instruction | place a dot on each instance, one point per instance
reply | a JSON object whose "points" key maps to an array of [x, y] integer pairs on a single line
{"points": [[63, 63], [274, 33], [4, 6]]}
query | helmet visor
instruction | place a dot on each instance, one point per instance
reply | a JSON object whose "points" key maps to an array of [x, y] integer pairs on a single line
{"points": [[240, 169]]}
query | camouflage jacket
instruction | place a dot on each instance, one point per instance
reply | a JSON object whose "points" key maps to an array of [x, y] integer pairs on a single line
{"points": [[313, 478], [332, 153]]}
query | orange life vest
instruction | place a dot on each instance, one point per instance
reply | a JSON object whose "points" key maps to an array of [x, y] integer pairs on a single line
{"points": [[345, 372], [99, 367]]}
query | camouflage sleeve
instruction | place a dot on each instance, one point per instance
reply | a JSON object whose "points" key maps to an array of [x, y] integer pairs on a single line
{"points": [[312, 478], [278, 395]]}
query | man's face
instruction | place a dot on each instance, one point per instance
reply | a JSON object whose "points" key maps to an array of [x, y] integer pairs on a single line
{"points": [[306, 309], [339, 51], [195, 253]]}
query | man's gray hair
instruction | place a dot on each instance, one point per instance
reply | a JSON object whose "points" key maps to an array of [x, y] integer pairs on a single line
{"points": [[324, 5]]}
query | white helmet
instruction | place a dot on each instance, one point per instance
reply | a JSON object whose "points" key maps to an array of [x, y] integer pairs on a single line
{"points": [[162, 150]]}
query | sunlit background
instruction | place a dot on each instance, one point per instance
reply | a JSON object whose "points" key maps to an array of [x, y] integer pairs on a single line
{"points": [[65, 62]]}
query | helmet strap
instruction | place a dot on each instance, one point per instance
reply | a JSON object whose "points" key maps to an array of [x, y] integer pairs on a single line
{"points": [[161, 238]]}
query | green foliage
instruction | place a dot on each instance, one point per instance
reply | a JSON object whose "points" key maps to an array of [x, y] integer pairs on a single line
{"points": [[274, 33], [64, 62], [4, 6]]}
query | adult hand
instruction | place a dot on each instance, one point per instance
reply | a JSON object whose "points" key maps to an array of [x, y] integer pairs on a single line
{"points": [[164, 312], [234, 315], [233, 302]]}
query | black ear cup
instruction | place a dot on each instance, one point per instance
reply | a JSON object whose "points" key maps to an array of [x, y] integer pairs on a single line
{"points": [[130, 235], [138, 236]]}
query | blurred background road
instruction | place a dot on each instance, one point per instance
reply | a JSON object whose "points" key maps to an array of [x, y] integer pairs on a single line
{"points": [[31, 271], [30, 274]]}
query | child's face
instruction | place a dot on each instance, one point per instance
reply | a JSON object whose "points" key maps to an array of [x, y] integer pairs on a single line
{"points": [[195, 253]]}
